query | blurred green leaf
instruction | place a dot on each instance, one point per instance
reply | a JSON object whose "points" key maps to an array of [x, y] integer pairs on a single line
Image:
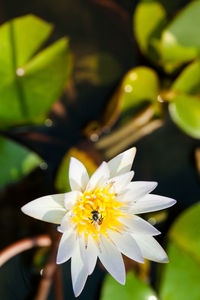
{"points": [[185, 102], [189, 80], [134, 289], [149, 21], [16, 161], [139, 87], [62, 178], [181, 280], [140, 84], [30, 85], [98, 68], [186, 231], [185, 112], [26, 34], [180, 40]]}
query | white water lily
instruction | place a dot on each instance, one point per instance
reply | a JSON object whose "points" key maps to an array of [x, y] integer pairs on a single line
{"points": [[98, 218]]}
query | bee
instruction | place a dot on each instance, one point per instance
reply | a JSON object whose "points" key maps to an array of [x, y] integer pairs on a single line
{"points": [[96, 217]]}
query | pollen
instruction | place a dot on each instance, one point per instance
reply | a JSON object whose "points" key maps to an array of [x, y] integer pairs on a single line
{"points": [[98, 211]]}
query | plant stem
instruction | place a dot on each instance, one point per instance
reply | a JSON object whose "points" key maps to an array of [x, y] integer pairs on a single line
{"points": [[57, 280], [48, 273], [128, 140], [197, 159], [126, 130], [23, 245]]}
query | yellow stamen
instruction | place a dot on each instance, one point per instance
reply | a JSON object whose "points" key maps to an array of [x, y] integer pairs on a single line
{"points": [[97, 211]]}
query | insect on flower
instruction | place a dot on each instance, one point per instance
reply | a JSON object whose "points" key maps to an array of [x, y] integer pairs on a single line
{"points": [[98, 218]]}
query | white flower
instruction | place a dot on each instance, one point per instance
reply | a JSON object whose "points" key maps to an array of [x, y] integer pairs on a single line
{"points": [[98, 218]]}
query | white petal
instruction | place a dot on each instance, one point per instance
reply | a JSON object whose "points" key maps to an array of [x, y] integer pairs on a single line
{"points": [[66, 247], [65, 223], [137, 225], [151, 203], [136, 190], [120, 182], [89, 253], [48, 208], [78, 176], [112, 260], [71, 198], [150, 248], [99, 176], [79, 272], [127, 245], [139, 189], [122, 163]]}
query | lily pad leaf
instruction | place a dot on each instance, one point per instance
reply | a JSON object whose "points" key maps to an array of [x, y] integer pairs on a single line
{"points": [[140, 84], [185, 112], [180, 40], [189, 80], [134, 288], [16, 161], [189, 238], [181, 276], [139, 88], [30, 81], [149, 21], [184, 257]]}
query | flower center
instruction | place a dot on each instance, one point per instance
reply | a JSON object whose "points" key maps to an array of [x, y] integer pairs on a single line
{"points": [[97, 211]]}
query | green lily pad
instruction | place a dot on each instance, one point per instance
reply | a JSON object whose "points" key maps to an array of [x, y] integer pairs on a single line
{"points": [[16, 161], [30, 82], [185, 112], [189, 79], [181, 280], [186, 231], [140, 84], [180, 40], [133, 289], [149, 21], [139, 88]]}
